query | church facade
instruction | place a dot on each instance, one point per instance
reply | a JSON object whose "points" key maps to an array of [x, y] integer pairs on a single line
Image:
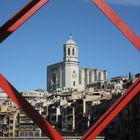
{"points": [[68, 72]]}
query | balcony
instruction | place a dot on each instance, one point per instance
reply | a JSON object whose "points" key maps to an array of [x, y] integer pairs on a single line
{"points": [[25, 120], [25, 129], [3, 122]]}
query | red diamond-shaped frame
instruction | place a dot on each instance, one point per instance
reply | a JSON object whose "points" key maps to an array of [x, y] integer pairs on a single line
{"points": [[29, 110], [118, 22], [113, 111], [24, 14], [14, 23]]}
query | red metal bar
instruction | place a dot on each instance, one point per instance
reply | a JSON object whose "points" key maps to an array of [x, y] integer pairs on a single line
{"points": [[113, 111], [16, 21], [29, 110], [118, 22]]}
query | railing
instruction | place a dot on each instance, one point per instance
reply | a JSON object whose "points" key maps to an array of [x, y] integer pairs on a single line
{"points": [[46, 138]]}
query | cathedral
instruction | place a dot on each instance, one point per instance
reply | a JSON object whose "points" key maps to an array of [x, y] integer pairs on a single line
{"points": [[68, 72]]}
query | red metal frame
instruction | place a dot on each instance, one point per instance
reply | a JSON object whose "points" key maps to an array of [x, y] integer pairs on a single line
{"points": [[110, 114], [118, 22], [29, 110], [16, 21]]}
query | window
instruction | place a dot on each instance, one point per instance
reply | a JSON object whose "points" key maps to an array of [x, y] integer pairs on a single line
{"points": [[36, 133], [68, 51], [53, 118], [70, 118], [80, 77], [73, 51], [90, 77], [74, 74], [73, 83], [95, 75], [54, 78], [99, 76], [26, 133], [11, 127], [104, 75], [69, 127], [30, 133], [21, 133]]}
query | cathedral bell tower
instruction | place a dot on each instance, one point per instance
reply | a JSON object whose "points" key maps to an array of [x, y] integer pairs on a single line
{"points": [[71, 64], [70, 51]]}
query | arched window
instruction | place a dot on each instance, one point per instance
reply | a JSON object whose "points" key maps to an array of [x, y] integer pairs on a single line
{"points": [[73, 51], [68, 51]]}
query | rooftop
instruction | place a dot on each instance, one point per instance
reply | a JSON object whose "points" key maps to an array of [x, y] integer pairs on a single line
{"points": [[70, 41]]}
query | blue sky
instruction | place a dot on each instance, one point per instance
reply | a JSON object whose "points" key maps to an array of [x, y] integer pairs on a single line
{"points": [[25, 55]]}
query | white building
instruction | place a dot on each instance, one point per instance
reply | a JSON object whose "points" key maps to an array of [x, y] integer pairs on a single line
{"points": [[69, 74]]}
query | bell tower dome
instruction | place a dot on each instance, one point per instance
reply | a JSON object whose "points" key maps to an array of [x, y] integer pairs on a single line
{"points": [[70, 50]]}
